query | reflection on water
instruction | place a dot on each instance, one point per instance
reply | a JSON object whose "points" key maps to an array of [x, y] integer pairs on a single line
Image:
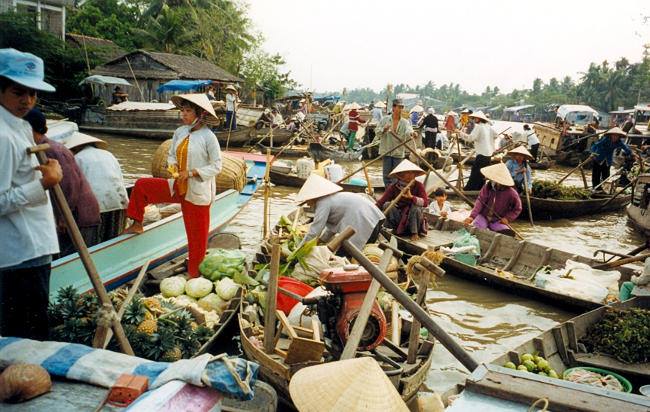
{"points": [[486, 321]]}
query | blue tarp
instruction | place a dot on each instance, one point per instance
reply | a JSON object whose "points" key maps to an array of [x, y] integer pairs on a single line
{"points": [[183, 85]]}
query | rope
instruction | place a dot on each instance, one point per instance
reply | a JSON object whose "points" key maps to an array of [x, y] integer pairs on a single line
{"points": [[106, 315], [544, 408]]}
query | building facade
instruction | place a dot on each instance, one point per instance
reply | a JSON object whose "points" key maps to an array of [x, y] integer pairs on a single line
{"points": [[50, 14]]}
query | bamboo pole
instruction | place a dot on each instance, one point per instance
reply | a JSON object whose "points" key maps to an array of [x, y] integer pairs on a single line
{"points": [[399, 197], [267, 194], [414, 334], [369, 189], [271, 297], [230, 130], [576, 168], [530, 211], [368, 163]]}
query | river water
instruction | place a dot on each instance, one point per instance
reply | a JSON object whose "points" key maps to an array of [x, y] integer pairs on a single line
{"points": [[487, 322]]}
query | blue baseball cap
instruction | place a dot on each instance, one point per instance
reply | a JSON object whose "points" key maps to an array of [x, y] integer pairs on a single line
{"points": [[24, 68]]}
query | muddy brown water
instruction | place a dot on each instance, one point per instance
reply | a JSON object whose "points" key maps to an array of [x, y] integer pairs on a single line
{"points": [[487, 322]]}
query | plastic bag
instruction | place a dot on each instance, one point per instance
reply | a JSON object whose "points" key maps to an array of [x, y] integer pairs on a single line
{"points": [[466, 243], [580, 280], [318, 259]]}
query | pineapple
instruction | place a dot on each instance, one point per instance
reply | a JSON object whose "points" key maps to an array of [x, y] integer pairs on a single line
{"points": [[172, 355], [149, 316], [194, 325], [136, 312], [148, 326], [153, 305]]}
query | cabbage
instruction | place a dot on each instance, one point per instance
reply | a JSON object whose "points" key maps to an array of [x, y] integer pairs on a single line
{"points": [[198, 287], [213, 302], [184, 300], [226, 288], [172, 286]]}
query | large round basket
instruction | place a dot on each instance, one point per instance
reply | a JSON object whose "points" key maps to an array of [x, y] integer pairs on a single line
{"points": [[232, 176]]}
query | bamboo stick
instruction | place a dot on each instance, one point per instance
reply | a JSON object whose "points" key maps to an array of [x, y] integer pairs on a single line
{"points": [[369, 189], [271, 298], [392, 204], [530, 212], [267, 194], [576, 168]]}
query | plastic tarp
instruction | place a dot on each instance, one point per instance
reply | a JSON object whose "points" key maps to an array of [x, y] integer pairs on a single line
{"points": [[331, 98], [183, 85], [579, 280], [565, 109], [103, 80]]}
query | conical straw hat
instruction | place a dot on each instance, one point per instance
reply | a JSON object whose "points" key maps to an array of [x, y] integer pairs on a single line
{"points": [[350, 385], [406, 166], [199, 99], [522, 151], [79, 139], [498, 173], [480, 115], [616, 130], [381, 105], [315, 187]]}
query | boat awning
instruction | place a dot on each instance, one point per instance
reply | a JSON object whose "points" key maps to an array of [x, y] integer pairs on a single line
{"points": [[99, 79], [628, 111], [518, 108], [127, 106], [183, 85], [642, 107], [565, 109]]}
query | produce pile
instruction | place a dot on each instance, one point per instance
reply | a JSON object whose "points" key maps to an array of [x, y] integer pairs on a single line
{"points": [[587, 377], [623, 334], [547, 189], [534, 364]]}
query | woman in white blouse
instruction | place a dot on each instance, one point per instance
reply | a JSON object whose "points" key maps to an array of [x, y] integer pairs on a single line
{"points": [[194, 160]]}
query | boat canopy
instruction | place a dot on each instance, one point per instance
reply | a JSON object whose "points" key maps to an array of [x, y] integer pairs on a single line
{"points": [[642, 107], [627, 111], [103, 80], [585, 110], [183, 85], [518, 108], [128, 106]]}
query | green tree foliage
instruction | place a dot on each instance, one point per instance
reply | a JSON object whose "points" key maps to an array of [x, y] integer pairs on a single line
{"points": [[261, 69]]}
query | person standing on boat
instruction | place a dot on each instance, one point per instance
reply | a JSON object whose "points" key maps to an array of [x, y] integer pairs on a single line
{"points": [[231, 106], [406, 217], [377, 112], [533, 141], [483, 137], [194, 160], [603, 152], [75, 187], [334, 211], [354, 120], [430, 125], [104, 174], [27, 224], [388, 125], [498, 203], [518, 166], [450, 124]]}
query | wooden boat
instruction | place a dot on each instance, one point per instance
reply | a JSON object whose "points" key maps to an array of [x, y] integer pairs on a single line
{"points": [[506, 263], [119, 260], [370, 151], [321, 152], [292, 151], [553, 143], [543, 165], [293, 180], [263, 135], [561, 347], [277, 370], [559, 209], [637, 211]]}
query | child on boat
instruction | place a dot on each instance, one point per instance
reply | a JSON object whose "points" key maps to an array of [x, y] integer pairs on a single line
{"points": [[440, 206]]}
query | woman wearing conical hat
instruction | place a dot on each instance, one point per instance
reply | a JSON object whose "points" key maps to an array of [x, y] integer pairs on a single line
{"points": [[335, 210], [518, 166], [483, 136], [603, 150], [194, 160], [406, 217], [498, 203]]}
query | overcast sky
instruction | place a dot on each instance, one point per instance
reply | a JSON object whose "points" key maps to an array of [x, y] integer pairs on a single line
{"points": [[333, 44]]}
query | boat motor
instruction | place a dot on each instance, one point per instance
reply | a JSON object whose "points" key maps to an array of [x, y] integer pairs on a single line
{"points": [[337, 311]]}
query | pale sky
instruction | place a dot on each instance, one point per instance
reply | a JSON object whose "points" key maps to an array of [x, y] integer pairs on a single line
{"points": [[333, 44]]}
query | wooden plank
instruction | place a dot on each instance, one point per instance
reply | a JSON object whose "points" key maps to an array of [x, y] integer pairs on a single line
{"points": [[559, 342], [571, 333]]}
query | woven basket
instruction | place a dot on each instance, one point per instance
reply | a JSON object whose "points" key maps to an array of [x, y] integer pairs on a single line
{"points": [[232, 176]]}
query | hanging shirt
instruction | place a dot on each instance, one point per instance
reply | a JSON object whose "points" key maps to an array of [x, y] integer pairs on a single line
{"points": [[230, 102], [103, 173], [517, 172], [483, 137], [27, 225]]}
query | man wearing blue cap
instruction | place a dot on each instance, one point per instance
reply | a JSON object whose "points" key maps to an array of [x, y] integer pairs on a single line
{"points": [[27, 225]]}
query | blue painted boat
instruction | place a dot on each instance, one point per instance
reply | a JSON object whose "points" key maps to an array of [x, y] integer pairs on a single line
{"points": [[120, 259]]}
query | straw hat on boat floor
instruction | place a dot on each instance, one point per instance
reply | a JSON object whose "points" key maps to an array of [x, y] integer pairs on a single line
{"points": [[350, 385]]}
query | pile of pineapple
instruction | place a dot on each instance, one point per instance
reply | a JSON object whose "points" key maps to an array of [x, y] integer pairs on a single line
{"points": [[157, 328]]}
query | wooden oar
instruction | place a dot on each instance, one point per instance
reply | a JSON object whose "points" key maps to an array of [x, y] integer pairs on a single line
{"points": [[576, 168], [271, 297], [621, 262], [615, 195], [89, 265], [456, 190], [392, 204], [583, 138], [229, 130], [530, 212]]}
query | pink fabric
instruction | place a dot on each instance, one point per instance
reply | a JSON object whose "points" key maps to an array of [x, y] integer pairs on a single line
{"points": [[480, 222], [506, 203]]}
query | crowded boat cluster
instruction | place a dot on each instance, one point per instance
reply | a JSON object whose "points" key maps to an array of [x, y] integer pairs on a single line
{"points": [[128, 294]]}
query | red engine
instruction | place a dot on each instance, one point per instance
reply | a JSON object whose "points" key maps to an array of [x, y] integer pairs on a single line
{"points": [[348, 289]]}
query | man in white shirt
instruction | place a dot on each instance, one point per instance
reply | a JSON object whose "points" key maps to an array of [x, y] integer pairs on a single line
{"points": [[377, 113], [231, 106], [28, 232], [533, 141], [483, 136]]}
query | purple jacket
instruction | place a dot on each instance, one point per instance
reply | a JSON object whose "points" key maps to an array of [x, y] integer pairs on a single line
{"points": [[76, 188], [505, 203]]}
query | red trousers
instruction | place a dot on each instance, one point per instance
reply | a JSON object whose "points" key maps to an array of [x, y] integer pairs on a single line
{"points": [[150, 190]]}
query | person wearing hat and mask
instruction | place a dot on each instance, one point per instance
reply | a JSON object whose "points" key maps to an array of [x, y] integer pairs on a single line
{"points": [[194, 160], [27, 222], [231, 106], [75, 187], [104, 174], [406, 216], [498, 203], [335, 210], [450, 124], [533, 142], [402, 128], [518, 167], [603, 151], [483, 136], [430, 125]]}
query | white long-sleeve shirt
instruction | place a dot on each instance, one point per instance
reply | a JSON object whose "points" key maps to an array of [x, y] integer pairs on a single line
{"points": [[204, 155], [483, 137], [103, 172], [27, 228], [230, 102], [340, 210], [434, 209]]}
